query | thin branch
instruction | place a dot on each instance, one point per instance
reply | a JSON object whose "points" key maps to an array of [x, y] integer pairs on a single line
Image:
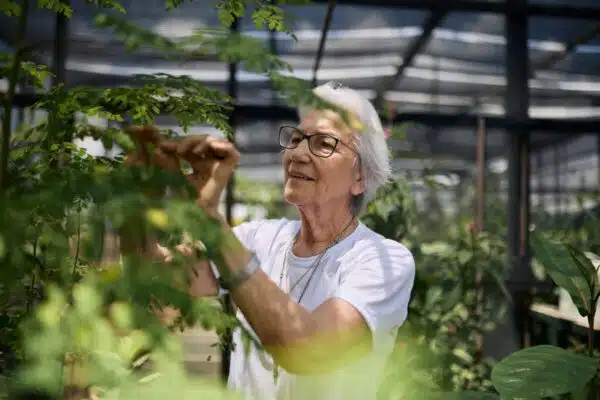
{"points": [[41, 267], [76, 258], [591, 332]]}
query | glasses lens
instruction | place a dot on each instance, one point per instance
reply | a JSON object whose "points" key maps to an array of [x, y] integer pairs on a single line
{"points": [[322, 145], [289, 137]]}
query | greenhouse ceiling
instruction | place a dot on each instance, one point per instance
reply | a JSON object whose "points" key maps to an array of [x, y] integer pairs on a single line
{"points": [[439, 64]]}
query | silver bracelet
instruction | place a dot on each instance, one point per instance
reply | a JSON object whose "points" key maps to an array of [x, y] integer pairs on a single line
{"points": [[231, 282]]}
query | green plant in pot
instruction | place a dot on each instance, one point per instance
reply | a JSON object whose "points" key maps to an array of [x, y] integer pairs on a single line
{"points": [[438, 346], [547, 372]]}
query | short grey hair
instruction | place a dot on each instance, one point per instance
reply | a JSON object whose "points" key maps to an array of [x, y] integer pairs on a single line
{"points": [[375, 164]]}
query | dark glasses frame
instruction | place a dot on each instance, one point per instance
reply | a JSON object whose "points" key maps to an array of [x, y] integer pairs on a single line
{"points": [[309, 137]]}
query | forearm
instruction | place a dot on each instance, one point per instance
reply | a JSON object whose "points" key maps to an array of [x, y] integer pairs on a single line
{"points": [[275, 317]]}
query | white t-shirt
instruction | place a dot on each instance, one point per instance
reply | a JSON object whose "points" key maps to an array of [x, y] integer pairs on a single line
{"points": [[370, 272]]}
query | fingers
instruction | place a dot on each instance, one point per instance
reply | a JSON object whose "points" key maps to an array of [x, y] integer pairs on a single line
{"points": [[188, 143], [152, 148], [225, 150], [200, 147], [170, 146], [166, 160], [144, 134]]}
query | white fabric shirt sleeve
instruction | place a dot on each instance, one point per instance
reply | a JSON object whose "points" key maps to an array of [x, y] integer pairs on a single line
{"points": [[378, 283]]}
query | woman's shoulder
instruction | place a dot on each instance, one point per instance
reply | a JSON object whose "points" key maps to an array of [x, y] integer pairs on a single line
{"points": [[265, 229], [266, 224], [372, 244]]}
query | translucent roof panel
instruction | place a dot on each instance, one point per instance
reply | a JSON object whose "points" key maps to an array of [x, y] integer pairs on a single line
{"points": [[304, 21], [97, 57], [562, 172], [462, 64], [584, 61], [548, 38], [469, 37], [371, 32]]}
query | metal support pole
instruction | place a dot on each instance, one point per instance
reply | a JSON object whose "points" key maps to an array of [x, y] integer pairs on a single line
{"points": [[229, 203], [61, 48], [321, 49], [481, 170], [558, 199], [510, 336], [273, 50], [598, 161], [480, 218], [540, 184], [517, 108]]}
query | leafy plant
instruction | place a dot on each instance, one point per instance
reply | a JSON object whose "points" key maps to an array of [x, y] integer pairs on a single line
{"points": [[78, 317], [437, 345], [544, 371]]}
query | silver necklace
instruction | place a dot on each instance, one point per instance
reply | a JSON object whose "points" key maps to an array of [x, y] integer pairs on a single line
{"points": [[312, 269]]}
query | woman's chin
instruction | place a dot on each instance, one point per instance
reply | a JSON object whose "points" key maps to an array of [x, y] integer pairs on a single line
{"points": [[295, 197]]}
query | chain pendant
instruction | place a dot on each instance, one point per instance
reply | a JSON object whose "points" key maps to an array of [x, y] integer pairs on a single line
{"points": [[275, 373]]}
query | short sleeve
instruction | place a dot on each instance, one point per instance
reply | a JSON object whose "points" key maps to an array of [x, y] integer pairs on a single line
{"points": [[378, 283]]}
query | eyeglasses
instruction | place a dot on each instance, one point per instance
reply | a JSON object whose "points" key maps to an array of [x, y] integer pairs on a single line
{"points": [[320, 144]]}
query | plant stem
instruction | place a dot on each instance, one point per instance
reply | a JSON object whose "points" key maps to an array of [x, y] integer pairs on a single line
{"points": [[591, 331], [13, 79]]}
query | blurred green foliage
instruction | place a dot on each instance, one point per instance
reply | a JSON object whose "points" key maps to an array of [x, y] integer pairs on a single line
{"points": [[437, 346], [77, 317]]}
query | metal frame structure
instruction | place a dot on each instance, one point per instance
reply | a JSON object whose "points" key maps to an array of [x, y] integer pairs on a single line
{"points": [[481, 6], [518, 69]]}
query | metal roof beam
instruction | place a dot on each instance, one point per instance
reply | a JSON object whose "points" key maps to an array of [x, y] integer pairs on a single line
{"points": [[480, 6], [545, 63], [324, 31], [570, 46], [433, 21]]}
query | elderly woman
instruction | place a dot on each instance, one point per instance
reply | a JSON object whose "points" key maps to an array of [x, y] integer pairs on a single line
{"points": [[324, 294]]}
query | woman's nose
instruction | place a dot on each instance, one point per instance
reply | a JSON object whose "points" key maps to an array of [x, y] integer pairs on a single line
{"points": [[301, 152]]}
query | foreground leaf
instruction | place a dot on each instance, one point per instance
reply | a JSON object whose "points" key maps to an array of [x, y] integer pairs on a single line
{"points": [[542, 371], [572, 276], [470, 395]]}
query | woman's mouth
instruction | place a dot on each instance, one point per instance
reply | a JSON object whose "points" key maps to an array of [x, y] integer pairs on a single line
{"points": [[301, 177]]}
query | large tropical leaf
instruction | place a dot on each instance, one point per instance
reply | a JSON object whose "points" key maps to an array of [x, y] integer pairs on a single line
{"points": [[584, 262], [575, 277], [542, 371], [468, 395]]}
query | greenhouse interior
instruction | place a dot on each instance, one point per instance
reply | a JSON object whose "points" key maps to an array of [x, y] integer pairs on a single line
{"points": [[492, 114]]}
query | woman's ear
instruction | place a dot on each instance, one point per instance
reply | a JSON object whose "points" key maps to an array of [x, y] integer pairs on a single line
{"points": [[358, 187]]}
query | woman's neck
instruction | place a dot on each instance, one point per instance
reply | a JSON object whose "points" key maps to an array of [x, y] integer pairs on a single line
{"points": [[319, 230]]}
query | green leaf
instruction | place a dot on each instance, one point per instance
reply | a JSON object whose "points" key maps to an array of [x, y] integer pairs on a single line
{"points": [[586, 266], [57, 6], [10, 8], [463, 355], [108, 4], [468, 395], [229, 10], [566, 272], [542, 371], [87, 300], [498, 280], [454, 296]]}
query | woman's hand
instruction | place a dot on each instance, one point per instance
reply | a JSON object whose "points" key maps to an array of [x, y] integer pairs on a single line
{"points": [[148, 152], [149, 149], [212, 160]]}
